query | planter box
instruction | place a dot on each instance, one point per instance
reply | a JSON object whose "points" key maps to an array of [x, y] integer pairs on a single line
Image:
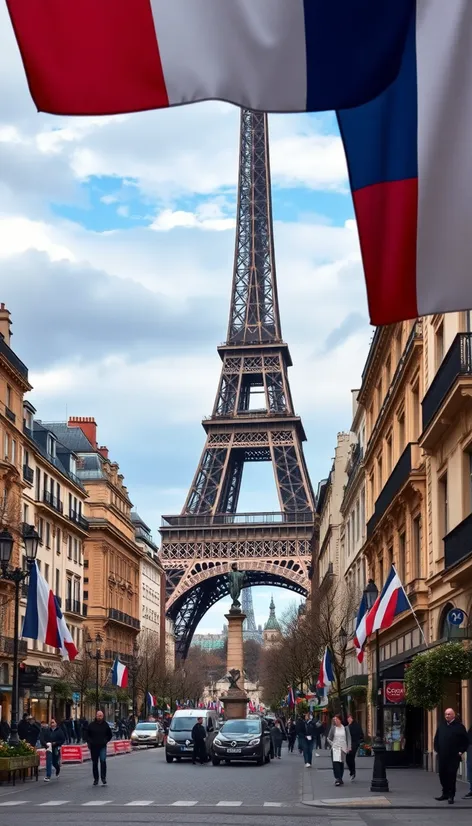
{"points": [[10, 764]]}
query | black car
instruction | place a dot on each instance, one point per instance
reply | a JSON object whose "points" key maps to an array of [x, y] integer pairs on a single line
{"points": [[246, 739]]}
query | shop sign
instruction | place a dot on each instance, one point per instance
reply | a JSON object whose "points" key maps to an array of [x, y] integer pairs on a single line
{"points": [[394, 692]]}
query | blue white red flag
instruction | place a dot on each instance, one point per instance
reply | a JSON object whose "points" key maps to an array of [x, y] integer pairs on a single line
{"points": [[152, 700], [119, 674], [44, 620], [290, 697], [326, 676], [360, 627], [390, 602], [410, 169], [90, 57]]}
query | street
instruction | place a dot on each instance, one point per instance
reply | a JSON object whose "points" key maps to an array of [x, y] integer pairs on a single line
{"points": [[142, 786]]}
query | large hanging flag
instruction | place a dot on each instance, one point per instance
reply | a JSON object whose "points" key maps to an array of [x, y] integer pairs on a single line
{"points": [[152, 700], [119, 674], [290, 697], [360, 633], [410, 169], [44, 620], [326, 676], [390, 602], [97, 57]]}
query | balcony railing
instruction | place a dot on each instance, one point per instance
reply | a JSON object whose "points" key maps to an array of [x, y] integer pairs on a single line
{"points": [[10, 414], [10, 356], [6, 646], [79, 520], [127, 659], [73, 606], [204, 519], [458, 543], [394, 483], [120, 616], [28, 474], [52, 501], [457, 362]]}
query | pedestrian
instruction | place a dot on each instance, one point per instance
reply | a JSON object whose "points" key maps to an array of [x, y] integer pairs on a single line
{"points": [[98, 735], [77, 730], [469, 764], [199, 742], [357, 737], [276, 735], [308, 742], [300, 729], [319, 728], [339, 738], [292, 735], [51, 738], [4, 730], [32, 735], [23, 727], [83, 728], [450, 742]]}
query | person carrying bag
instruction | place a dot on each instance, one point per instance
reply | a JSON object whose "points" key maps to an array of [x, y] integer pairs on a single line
{"points": [[339, 739]]}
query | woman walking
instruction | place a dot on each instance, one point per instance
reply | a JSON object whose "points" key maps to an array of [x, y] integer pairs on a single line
{"points": [[339, 738], [292, 735]]}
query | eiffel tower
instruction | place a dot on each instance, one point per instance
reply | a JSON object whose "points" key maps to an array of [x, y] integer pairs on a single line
{"points": [[250, 631], [253, 420]]}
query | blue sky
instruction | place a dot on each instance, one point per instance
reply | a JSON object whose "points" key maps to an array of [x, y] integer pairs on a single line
{"points": [[116, 249]]}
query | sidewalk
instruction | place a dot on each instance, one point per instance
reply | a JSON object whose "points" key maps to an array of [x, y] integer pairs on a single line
{"points": [[409, 788]]}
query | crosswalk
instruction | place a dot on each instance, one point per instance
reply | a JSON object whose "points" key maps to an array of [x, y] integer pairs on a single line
{"points": [[221, 804]]}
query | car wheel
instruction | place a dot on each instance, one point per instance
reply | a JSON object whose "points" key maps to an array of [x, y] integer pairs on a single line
{"points": [[169, 758], [216, 761]]}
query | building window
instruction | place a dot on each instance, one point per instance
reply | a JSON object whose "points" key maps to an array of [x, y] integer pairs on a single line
{"points": [[38, 484], [46, 573], [13, 452], [48, 535], [439, 345], [417, 547], [415, 412], [69, 589], [443, 506], [358, 520], [51, 446], [58, 540], [379, 473], [401, 433], [389, 559], [7, 446], [26, 514], [401, 556], [69, 548], [58, 582], [41, 528], [389, 457], [9, 396], [388, 372]]}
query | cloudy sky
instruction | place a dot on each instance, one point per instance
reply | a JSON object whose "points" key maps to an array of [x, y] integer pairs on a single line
{"points": [[116, 249]]}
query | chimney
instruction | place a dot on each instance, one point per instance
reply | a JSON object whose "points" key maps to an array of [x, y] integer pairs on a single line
{"points": [[5, 323], [88, 427], [104, 451]]}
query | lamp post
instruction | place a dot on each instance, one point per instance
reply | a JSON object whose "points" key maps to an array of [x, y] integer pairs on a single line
{"points": [[17, 576], [379, 774], [93, 650]]}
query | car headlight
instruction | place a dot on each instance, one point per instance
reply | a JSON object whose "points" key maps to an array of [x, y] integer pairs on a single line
{"points": [[134, 736], [171, 741], [217, 741], [254, 742]]}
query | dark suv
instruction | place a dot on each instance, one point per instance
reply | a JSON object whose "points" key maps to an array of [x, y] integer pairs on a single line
{"points": [[246, 739]]}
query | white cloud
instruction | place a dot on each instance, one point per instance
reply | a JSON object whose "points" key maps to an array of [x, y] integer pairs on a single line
{"points": [[18, 234]]}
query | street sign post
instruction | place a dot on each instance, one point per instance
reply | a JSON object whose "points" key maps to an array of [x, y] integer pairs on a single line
{"points": [[456, 616], [76, 697]]}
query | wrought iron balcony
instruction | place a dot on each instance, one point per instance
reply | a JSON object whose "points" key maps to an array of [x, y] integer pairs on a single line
{"points": [[221, 519], [73, 606], [6, 646], [28, 474], [12, 358], [120, 616], [52, 501], [393, 485], [79, 520], [458, 543], [441, 395], [10, 414]]}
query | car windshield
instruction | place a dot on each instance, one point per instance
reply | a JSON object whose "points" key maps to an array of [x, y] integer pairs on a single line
{"points": [[183, 723], [146, 726], [242, 727]]}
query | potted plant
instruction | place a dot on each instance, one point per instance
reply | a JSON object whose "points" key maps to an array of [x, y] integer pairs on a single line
{"points": [[13, 758]]}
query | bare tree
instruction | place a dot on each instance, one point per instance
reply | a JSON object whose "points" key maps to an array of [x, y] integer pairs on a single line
{"points": [[335, 611]]}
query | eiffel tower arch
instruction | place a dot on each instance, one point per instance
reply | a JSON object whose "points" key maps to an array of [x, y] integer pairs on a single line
{"points": [[253, 420]]}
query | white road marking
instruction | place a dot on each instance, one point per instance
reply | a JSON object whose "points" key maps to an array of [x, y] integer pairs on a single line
{"points": [[277, 805], [55, 803], [97, 803], [14, 803], [230, 803], [185, 803], [140, 803]]}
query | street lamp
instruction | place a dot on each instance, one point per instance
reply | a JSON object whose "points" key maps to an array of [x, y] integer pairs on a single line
{"points": [[93, 650], [17, 576], [379, 774]]}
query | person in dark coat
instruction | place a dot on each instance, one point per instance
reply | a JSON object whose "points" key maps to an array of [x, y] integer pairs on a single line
{"points": [[52, 738], [450, 743], [4, 730], [77, 730], [292, 735], [83, 728], [32, 735], [300, 728], [357, 737], [199, 742], [276, 735], [469, 764], [23, 727], [98, 735]]}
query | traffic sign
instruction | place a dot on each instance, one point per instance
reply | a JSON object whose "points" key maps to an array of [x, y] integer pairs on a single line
{"points": [[76, 697], [456, 616]]}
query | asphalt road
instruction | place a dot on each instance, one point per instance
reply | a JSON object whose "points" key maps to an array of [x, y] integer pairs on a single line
{"points": [[142, 789]]}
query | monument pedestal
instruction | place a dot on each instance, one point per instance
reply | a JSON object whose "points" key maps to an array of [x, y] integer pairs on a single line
{"points": [[235, 700]]}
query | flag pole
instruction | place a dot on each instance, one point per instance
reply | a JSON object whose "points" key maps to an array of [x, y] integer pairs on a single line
{"points": [[411, 608]]}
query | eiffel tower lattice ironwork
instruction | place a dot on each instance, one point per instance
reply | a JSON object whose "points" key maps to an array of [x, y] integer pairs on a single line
{"points": [[250, 631], [253, 420]]}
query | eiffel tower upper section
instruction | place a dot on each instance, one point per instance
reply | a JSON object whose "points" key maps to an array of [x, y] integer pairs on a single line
{"points": [[253, 418]]}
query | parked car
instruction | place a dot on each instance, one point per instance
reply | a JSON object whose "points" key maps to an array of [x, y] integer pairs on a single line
{"points": [[148, 734], [179, 739], [245, 739]]}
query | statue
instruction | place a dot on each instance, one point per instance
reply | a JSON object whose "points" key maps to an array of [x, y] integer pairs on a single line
{"points": [[233, 678], [236, 579]]}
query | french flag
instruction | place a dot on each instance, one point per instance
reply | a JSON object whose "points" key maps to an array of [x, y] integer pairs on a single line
{"points": [[291, 697], [360, 633], [152, 700], [102, 57], [410, 168], [44, 620], [390, 602], [326, 676], [119, 674]]}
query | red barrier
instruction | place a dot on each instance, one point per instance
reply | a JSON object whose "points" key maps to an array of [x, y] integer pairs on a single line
{"points": [[120, 746], [72, 754], [111, 748], [42, 758]]}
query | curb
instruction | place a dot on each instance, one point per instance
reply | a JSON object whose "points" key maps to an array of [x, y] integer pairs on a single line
{"points": [[354, 803]]}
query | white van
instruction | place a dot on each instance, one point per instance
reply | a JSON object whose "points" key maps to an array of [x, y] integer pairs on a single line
{"points": [[179, 739]]}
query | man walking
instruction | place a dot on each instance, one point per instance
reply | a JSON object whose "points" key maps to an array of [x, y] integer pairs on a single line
{"points": [[357, 737], [98, 735], [469, 764], [51, 738], [199, 744], [308, 742], [276, 735], [450, 743]]}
